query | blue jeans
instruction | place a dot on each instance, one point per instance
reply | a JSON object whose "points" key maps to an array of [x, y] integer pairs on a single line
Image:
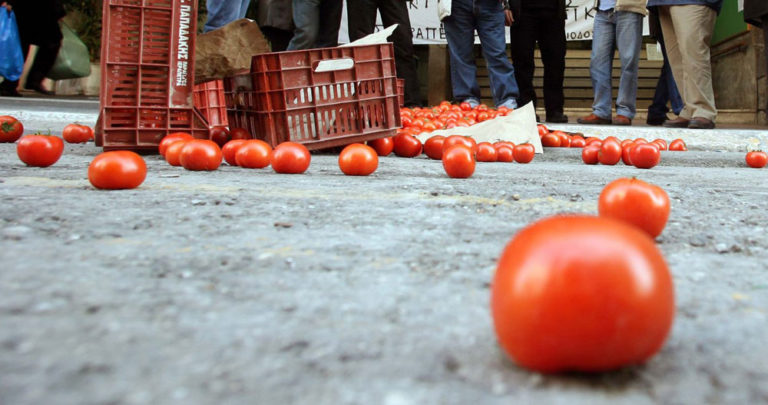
{"points": [[666, 90], [622, 30], [317, 24], [223, 12], [487, 17]]}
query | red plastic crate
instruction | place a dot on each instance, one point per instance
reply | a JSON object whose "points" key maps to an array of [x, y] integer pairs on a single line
{"points": [[147, 67], [401, 92], [285, 97], [209, 101]]}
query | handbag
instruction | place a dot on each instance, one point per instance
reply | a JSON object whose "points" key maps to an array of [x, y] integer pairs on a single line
{"points": [[11, 57], [443, 9], [73, 60]]}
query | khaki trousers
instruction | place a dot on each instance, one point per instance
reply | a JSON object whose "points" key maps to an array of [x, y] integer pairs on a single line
{"points": [[687, 33]]}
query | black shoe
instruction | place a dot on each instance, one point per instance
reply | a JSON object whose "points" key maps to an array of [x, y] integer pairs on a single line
{"points": [[39, 88], [557, 118], [701, 123], [538, 119], [656, 121], [9, 93], [678, 122]]}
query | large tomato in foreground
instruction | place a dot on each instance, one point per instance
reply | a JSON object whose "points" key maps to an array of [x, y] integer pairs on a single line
{"points": [[581, 293], [358, 160], [290, 158], [636, 202], [117, 170], [39, 150], [10, 129], [200, 154]]}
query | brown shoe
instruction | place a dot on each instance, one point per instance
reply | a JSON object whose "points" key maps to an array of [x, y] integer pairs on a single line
{"points": [[678, 122], [593, 119], [701, 123], [622, 120]]}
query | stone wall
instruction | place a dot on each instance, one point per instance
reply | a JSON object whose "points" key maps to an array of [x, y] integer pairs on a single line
{"points": [[739, 78]]}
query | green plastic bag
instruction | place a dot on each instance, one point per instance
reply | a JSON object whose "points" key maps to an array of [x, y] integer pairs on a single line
{"points": [[73, 60]]}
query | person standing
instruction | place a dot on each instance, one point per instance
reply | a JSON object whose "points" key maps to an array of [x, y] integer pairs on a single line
{"points": [[361, 16], [488, 18], [756, 13], [317, 24], [687, 26], [38, 23], [666, 88], [223, 12], [276, 22], [541, 21], [618, 24]]}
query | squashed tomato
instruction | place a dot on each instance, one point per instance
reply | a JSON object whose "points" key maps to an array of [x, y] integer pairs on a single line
{"points": [[636, 202], [39, 150], [290, 158], [581, 293], [117, 170], [358, 160]]}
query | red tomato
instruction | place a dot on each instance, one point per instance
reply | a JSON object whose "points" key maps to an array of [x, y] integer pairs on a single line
{"points": [[230, 149], [550, 140], [459, 140], [636, 202], [459, 161], [483, 116], [76, 133], [581, 293], [626, 142], [358, 160], [200, 154], [406, 145], [756, 159], [253, 154], [505, 153], [173, 151], [542, 130], [10, 129], [524, 153], [382, 146], [171, 138], [433, 147], [592, 140], [565, 140], [578, 142], [239, 133], [610, 152], [645, 155], [589, 155], [39, 150], [640, 140], [290, 158], [625, 155], [485, 152], [662, 143], [220, 135], [678, 145], [117, 170]]}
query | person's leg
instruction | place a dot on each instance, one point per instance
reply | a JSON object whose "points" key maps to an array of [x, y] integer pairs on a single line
{"points": [[396, 12], [522, 45], [243, 8], [490, 27], [459, 31], [765, 35], [277, 38], [657, 111], [601, 63], [44, 60], [694, 25], [673, 95], [330, 21], [552, 45], [361, 18], [222, 12], [306, 18], [629, 35]]}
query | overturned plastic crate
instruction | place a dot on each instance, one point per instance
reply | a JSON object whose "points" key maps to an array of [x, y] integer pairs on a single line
{"points": [[320, 97], [209, 101], [147, 65]]}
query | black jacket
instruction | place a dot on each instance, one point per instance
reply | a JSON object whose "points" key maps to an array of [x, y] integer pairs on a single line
{"points": [[754, 11], [517, 6], [38, 20]]}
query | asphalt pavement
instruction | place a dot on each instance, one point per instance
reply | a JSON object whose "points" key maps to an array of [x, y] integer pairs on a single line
{"points": [[245, 286]]}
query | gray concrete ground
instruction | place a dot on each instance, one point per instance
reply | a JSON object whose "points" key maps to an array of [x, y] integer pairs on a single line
{"points": [[244, 287]]}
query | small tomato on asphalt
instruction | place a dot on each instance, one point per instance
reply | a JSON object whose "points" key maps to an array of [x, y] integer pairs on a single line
{"points": [[636, 202], [76, 133], [39, 150], [504, 153], [406, 145], [10, 129], [239, 133], [550, 140], [524, 153], [382, 146], [173, 151], [171, 138], [485, 152], [610, 152], [678, 145], [459, 161], [645, 155], [433, 147], [292, 158], [117, 170], [230, 149], [589, 155], [358, 160], [220, 135], [253, 154], [756, 159], [200, 154]]}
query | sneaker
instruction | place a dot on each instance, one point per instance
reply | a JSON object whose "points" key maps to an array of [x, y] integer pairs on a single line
{"points": [[700, 123], [593, 119], [557, 118], [622, 120], [678, 122]]}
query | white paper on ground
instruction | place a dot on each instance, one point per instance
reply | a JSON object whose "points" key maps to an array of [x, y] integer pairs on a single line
{"points": [[375, 38], [518, 127]]}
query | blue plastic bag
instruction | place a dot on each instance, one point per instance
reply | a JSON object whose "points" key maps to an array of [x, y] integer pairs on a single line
{"points": [[11, 58]]}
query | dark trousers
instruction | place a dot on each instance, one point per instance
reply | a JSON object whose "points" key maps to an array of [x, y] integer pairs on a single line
{"points": [[362, 21], [765, 34], [545, 27], [278, 39], [44, 60]]}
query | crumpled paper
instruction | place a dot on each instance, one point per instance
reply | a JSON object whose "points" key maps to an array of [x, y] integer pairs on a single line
{"points": [[518, 127], [228, 50]]}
